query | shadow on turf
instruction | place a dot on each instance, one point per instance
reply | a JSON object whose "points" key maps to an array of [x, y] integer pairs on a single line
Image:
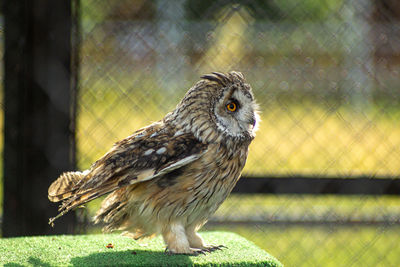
{"points": [[31, 260], [132, 258]]}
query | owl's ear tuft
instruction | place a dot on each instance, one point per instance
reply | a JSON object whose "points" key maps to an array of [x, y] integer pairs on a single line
{"points": [[217, 77], [225, 79]]}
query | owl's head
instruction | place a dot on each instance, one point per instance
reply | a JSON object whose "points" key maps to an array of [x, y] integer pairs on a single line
{"points": [[234, 110], [220, 106]]}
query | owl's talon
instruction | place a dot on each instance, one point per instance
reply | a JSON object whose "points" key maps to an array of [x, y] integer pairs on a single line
{"points": [[200, 251], [214, 248]]}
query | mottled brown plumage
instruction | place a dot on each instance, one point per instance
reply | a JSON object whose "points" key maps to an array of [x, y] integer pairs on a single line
{"points": [[169, 177]]}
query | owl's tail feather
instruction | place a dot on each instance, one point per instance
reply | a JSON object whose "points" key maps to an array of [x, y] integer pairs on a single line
{"points": [[74, 196], [64, 186], [78, 200]]}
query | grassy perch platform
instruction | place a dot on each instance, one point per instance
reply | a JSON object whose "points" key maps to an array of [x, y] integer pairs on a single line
{"points": [[91, 250]]}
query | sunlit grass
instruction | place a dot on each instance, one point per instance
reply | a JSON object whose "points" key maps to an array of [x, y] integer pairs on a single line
{"points": [[312, 140], [308, 208]]}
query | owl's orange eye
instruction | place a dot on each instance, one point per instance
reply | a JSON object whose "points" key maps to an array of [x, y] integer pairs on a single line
{"points": [[231, 106]]}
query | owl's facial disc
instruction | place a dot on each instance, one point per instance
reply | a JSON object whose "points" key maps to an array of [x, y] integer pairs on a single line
{"points": [[236, 113]]}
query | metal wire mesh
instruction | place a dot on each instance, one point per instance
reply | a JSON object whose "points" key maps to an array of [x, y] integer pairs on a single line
{"points": [[326, 76]]}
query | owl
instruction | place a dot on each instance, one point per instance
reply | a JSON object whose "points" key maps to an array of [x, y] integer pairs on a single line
{"points": [[168, 178]]}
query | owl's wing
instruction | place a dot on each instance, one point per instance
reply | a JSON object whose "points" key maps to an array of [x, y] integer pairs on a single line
{"points": [[138, 158]]}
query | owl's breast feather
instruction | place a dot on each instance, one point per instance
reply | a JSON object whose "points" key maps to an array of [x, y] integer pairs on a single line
{"points": [[216, 175]]}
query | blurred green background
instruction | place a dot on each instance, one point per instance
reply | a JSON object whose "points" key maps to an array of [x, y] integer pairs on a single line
{"points": [[326, 75]]}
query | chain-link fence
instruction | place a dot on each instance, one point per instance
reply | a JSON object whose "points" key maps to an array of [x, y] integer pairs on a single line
{"points": [[326, 75]]}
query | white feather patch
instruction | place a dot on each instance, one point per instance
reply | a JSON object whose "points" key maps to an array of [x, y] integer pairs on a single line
{"points": [[161, 150], [177, 133], [148, 152]]}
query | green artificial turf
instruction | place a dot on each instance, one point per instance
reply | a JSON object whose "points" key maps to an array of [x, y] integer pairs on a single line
{"points": [[91, 250]]}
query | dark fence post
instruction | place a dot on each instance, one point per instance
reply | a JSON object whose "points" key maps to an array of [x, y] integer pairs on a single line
{"points": [[38, 134]]}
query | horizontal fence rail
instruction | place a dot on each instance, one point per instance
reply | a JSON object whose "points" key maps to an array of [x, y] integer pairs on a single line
{"points": [[310, 185]]}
